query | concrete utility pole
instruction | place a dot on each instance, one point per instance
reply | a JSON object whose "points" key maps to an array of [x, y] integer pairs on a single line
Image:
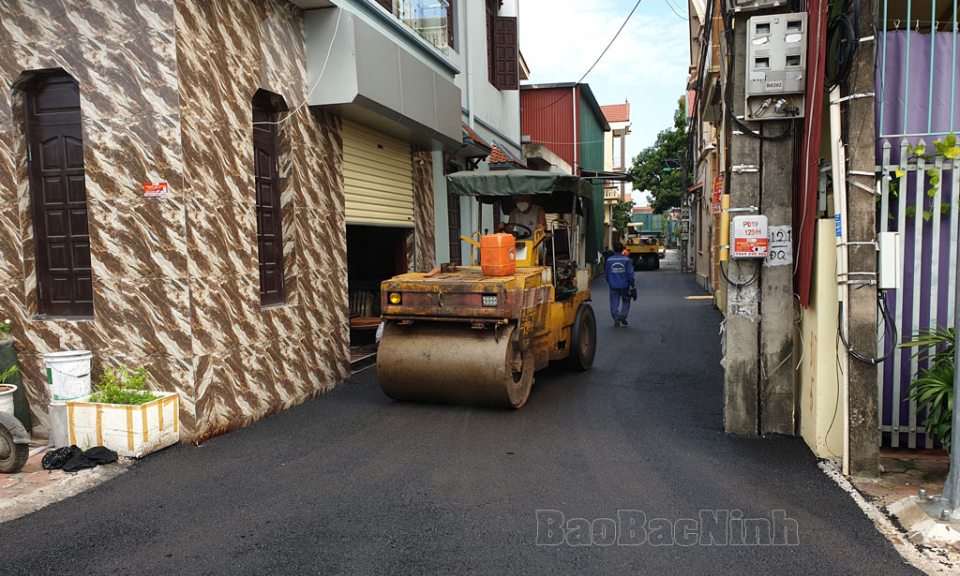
{"points": [[777, 306], [859, 125], [742, 324], [949, 501]]}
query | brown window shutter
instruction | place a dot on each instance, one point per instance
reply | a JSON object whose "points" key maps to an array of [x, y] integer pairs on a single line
{"points": [[506, 69], [451, 36], [491, 21], [268, 203]]}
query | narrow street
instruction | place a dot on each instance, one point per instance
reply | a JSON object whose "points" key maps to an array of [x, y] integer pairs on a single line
{"points": [[353, 483]]}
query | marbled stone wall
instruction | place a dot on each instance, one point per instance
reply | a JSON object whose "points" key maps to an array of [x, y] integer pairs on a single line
{"points": [[166, 89], [425, 233], [123, 55], [249, 361]]}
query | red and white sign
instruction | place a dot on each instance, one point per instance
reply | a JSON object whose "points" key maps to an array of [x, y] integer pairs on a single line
{"points": [[717, 192], [155, 189], [717, 188], [748, 235]]}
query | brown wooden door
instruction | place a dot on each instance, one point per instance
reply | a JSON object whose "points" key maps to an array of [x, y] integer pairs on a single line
{"points": [[58, 194], [269, 220]]}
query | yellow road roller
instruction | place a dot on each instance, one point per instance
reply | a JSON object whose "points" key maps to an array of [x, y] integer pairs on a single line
{"points": [[462, 336], [645, 248]]}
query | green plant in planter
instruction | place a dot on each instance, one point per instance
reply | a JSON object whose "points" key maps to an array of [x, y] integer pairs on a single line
{"points": [[8, 373], [933, 387], [120, 386]]}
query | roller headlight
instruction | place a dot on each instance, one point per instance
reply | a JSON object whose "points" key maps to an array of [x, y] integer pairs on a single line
{"points": [[394, 298], [490, 300]]}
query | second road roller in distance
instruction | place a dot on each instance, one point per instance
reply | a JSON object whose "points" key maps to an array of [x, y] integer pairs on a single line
{"points": [[476, 334]]}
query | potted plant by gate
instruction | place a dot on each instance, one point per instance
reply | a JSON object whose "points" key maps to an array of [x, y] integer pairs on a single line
{"points": [[14, 438], [9, 365], [7, 390], [932, 389], [124, 416]]}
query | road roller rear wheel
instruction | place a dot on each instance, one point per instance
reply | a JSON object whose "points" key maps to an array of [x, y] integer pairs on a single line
{"points": [[521, 376], [583, 339]]}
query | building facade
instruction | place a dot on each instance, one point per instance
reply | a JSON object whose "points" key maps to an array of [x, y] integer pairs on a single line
{"points": [[212, 189], [567, 118], [615, 160], [490, 107]]}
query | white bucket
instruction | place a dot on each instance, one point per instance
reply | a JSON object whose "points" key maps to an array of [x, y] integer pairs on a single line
{"points": [[6, 398], [68, 374]]}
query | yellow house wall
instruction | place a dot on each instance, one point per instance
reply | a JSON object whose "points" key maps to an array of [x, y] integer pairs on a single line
{"points": [[821, 415]]}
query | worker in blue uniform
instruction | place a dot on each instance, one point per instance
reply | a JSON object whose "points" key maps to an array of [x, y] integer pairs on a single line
{"points": [[619, 272]]}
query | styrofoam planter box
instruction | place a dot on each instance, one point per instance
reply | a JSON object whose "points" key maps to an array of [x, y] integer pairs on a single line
{"points": [[132, 431]]}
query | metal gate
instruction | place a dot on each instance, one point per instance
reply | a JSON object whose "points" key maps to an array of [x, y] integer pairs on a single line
{"points": [[917, 103], [927, 218]]}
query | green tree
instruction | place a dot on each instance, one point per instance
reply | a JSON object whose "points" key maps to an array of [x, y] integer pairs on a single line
{"points": [[651, 170], [622, 214]]}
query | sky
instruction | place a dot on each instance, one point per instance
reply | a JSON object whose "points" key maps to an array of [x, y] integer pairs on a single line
{"points": [[646, 65]]}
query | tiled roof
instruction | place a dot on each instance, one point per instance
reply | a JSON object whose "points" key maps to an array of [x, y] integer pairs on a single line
{"points": [[617, 112], [469, 136], [502, 155]]}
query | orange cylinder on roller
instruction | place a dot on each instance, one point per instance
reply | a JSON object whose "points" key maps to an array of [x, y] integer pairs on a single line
{"points": [[498, 255]]}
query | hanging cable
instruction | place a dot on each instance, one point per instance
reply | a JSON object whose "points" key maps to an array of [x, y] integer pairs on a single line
{"points": [[739, 283], [675, 10], [889, 324], [323, 68], [595, 62], [843, 38]]}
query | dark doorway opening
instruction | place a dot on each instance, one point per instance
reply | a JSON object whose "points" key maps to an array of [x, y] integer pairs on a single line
{"points": [[374, 254]]}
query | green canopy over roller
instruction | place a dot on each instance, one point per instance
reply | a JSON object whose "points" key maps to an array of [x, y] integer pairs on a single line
{"points": [[514, 182]]}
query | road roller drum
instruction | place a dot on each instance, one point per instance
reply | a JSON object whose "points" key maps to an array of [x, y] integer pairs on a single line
{"points": [[455, 364]]}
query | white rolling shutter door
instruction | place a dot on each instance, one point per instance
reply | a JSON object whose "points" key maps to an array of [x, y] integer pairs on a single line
{"points": [[378, 177]]}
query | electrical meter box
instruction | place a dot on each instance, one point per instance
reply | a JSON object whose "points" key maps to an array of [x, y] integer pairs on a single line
{"points": [[776, 66], [748, 237], [749, 5], [888, 277]]}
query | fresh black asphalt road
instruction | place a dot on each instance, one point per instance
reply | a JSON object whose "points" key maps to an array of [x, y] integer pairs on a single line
{"points": [[353, 483]]}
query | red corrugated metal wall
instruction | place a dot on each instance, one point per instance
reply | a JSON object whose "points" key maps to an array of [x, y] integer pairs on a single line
{"points": [[546, 115], [805, 204]]}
